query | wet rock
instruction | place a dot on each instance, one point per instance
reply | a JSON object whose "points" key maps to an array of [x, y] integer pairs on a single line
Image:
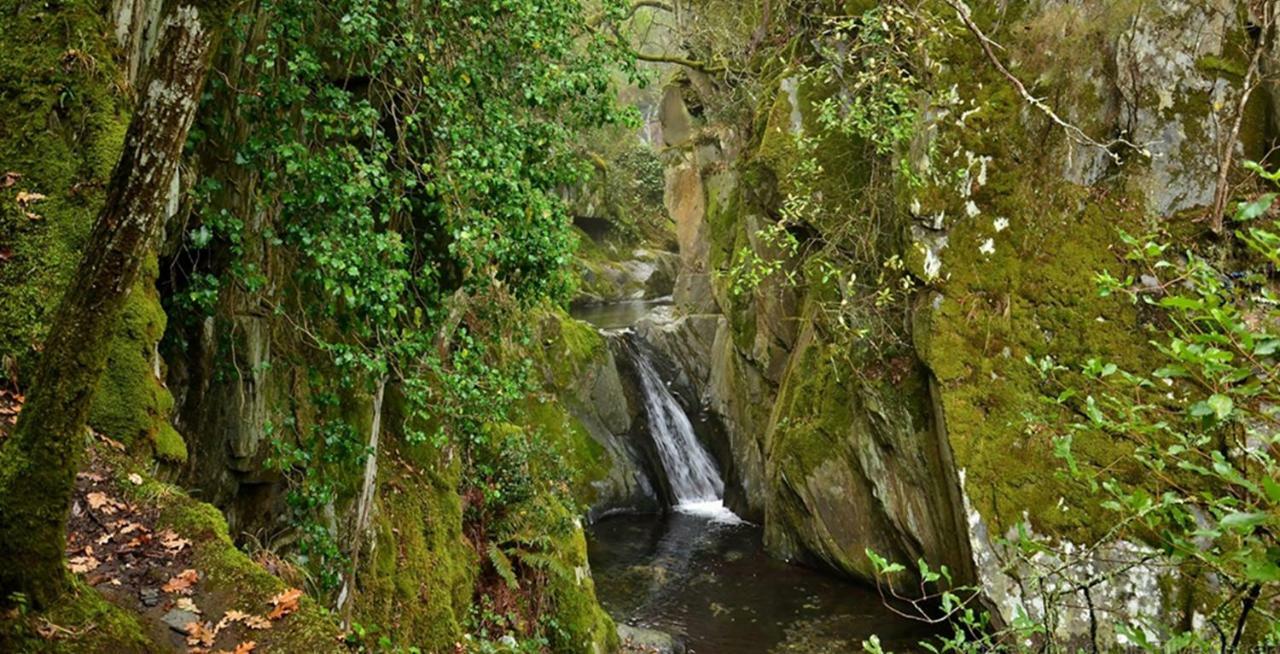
{"points": [[649, 641]]}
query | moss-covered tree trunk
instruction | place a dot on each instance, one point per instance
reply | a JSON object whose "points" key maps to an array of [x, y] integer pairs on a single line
{"points": [[38, 463]]}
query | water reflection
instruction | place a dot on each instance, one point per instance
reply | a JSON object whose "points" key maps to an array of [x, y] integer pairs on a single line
{"points": [[709, 582], [616, 315]]}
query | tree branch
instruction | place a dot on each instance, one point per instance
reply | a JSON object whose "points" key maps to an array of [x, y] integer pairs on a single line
{"points": [[599, 18], [1074, 133]]}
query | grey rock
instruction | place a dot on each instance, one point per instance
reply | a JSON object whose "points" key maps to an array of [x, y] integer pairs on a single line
{"points": [[649, 641], [177, 619]]}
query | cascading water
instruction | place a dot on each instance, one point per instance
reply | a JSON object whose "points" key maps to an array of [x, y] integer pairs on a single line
{"points": [[700, 573], [692, 474]]}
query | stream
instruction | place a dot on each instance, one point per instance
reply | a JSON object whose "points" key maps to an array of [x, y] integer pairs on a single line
{"points": [[700, 573]]}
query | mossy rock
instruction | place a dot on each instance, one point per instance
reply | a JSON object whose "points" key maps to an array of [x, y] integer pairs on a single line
{"points": [[131, 404], [418, 581], [64, 126], [581, 626], [83, 621]]}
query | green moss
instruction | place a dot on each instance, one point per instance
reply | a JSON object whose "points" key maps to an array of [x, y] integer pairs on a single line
{"points": [[231, 577], [63, 129], [581, 626], [1035, 295], [419, 580], [587, 461], [82, 621], [131, 404], [569, 348]]}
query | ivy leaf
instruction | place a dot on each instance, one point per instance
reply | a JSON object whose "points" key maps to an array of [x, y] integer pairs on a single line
{"points": [[1221, 405], [1243, 521]]}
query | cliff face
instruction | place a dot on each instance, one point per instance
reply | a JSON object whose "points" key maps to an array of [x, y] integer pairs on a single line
{"points": [[920, 448]]}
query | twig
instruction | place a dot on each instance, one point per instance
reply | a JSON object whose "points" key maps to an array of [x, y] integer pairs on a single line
{"points": [[652, 4], [1074, 133], [1227, 157]]}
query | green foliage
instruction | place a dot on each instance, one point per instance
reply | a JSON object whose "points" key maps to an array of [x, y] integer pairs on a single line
{"points": [[1205, 498], [857, 107], [414, 158]]}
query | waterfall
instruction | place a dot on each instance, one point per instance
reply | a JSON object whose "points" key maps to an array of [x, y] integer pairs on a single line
{"points": [[690, 469]]}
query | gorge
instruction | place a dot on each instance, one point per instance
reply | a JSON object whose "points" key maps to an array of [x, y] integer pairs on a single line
{"points": [[595, 326]]}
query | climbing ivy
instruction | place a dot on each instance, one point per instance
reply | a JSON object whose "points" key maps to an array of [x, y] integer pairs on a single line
{"points": [[411, 158]]}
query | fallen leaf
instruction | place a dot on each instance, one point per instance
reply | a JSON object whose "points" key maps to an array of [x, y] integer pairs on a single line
{"points": [[99, 501], [135, 479], [25, 198], [89, 476], [172, 542], [245, 647], [284, 603], [9, 179], [257, 622], [200, 634], [251, 621], [82, 564], [114, 444], [182, 582], [187, 604], [131, 527]]}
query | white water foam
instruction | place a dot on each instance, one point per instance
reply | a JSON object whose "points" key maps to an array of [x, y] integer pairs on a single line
{"points": [[713, 510]]}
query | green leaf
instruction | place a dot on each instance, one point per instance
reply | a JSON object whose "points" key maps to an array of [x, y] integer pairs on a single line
{"points": [[1252, 210], [1092, 410], [1221, 405], [1272, 488], [1243, 521]]}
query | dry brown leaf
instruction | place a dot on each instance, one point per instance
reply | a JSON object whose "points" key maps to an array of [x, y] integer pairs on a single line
{"points": [[112, 443], [285, 603], [83, 564], [189, 605], [131, 527], [89, 476], [102, 502], [245, 647], [25, 198], [9, 179], [257, 622], [172, 542], [200, 634], [135, 479], [182, 582]]}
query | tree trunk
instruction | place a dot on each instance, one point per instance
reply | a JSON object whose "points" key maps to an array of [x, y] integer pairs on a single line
{"points": [[38, 462]]}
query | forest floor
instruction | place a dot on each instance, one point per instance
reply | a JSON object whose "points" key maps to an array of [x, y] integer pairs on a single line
{"points": [[119, 549], [155, 570]]}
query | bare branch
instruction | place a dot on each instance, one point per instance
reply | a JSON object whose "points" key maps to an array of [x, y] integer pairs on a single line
{"points": [[701, 66], [1074, 133], [596, 20], [1226, 157]]}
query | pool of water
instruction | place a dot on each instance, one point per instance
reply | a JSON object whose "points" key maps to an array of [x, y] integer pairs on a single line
{"points": [[616, 315], [704, 577]]}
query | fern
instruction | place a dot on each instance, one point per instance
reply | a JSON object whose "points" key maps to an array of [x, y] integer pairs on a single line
{"points": [[545, 562], [503, 565]]}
